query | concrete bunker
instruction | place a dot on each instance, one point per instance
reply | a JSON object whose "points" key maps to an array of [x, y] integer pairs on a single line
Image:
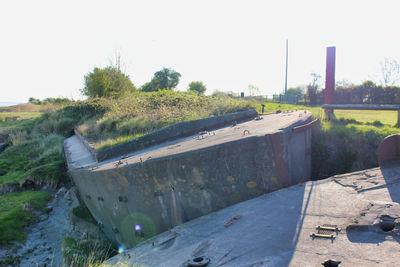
{"points": [[137, 195]]}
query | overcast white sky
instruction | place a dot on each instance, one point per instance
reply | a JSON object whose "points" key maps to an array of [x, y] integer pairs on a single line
{"points": [[46, 47]]}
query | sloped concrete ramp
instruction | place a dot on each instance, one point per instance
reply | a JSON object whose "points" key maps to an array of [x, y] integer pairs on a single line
{"points": [[276, 229]]}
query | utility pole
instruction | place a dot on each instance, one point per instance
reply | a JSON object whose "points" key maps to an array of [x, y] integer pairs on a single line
{"points": [[287, 45]]}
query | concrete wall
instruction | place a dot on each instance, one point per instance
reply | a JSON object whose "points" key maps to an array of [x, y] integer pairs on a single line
{"points": [[161, 193], [171, 132]]}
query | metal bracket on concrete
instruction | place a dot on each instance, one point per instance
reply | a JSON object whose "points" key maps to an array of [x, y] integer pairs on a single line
{"points": [[326, 231]]}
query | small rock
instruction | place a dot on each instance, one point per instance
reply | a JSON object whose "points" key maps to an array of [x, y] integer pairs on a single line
{"points": [[71, 197], [60, 192]]}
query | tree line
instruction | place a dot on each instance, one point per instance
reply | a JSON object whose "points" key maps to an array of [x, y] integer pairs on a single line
{"points": [[366, 93], [112, 82]]}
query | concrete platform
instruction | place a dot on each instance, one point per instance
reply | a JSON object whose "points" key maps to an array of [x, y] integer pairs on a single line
{"points": [[275, 229]]}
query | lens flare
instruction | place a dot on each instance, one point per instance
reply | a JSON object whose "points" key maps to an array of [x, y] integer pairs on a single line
{"points": [[138, 227], [121, 249]]}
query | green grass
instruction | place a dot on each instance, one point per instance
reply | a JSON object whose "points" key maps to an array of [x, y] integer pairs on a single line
{"points": [[38, 158], [8, 116], [85, 252], [388, 117], [13, 216]]}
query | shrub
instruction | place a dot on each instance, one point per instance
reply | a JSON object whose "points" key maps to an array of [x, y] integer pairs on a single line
{"points": [[107, 82], [64, 126]]}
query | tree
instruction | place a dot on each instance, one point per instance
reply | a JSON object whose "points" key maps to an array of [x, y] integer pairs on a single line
{"points": [[253, 90], [107, 82], [163, 79], [390, 70], [167, 78], [296, 92], [313, 87], [197, 86]]}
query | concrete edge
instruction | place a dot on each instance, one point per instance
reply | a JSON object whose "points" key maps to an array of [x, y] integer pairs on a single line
{"points": [[86, 144]]}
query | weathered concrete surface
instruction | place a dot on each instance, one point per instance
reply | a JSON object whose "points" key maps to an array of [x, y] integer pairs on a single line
{"points": [[275, 229], [165, 185], [171, 132]]}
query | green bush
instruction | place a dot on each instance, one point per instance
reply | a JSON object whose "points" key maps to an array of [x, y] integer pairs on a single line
{"points": [[64, 126], [107, 82]]}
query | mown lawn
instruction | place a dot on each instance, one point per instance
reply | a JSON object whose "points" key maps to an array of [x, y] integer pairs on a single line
{"points": [[388, 117]]}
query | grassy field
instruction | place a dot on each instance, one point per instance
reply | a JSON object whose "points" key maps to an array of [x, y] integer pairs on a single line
{"points": [[388, 117], [11, 116]]}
